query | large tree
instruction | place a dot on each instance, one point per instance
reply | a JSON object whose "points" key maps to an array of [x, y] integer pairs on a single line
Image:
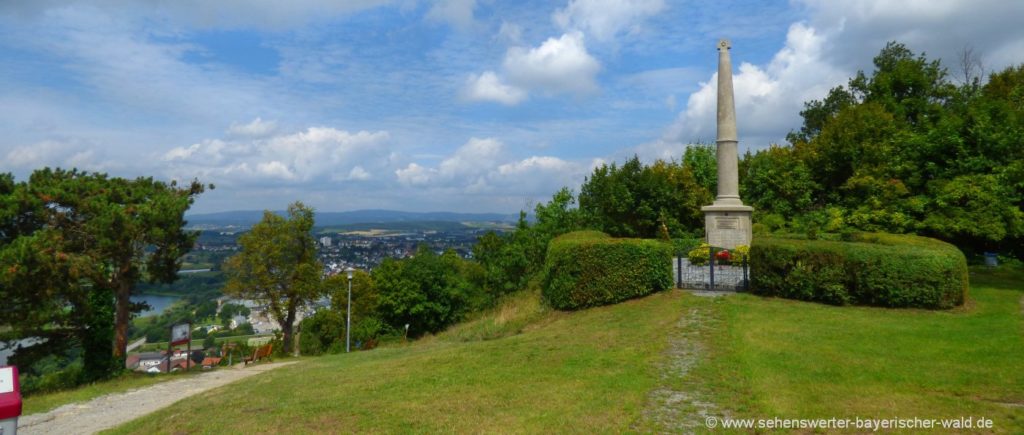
{"points": [[277, 265], [640, 200], [75, 244], [428, 291], [902, 149]]}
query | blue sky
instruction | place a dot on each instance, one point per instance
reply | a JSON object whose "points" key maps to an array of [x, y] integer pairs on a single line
{"points": [[414, 105]]}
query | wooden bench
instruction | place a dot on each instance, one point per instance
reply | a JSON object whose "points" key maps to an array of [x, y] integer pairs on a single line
{"points": [[260, 353]]}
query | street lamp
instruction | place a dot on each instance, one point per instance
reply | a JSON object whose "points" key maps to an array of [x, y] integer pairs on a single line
{"points": [[348, 310]]}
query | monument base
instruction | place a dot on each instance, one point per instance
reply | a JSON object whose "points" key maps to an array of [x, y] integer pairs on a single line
{"points": [[728, 226]]}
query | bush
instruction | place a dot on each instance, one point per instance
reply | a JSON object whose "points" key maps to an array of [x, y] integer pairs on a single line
{"points": [[878, 269], [586, 269], [320, 332], [368, 329], [428, 291], [63, 379], [683, 245]]}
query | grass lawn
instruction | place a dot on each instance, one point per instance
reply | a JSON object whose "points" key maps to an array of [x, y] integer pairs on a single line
{"points": [[787, 359], [522, 368], [129, 381], [585, 371]]}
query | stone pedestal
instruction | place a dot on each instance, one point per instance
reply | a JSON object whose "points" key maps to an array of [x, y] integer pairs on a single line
{"points": [[728, 226]]}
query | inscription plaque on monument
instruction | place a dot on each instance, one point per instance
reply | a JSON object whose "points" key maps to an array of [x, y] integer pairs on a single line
{"points": [[727, 223]]}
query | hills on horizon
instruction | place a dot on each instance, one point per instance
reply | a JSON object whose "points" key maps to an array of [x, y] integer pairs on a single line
{"points": [[246, 218]]}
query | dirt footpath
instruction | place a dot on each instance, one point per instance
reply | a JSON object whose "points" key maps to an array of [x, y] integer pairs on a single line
{"points": [[679, 405], [108, 411]]}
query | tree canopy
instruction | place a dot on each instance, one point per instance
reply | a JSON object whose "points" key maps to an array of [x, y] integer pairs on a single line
{"points": [[639, 200], [277, 265], [904, 150], [74, 244]]}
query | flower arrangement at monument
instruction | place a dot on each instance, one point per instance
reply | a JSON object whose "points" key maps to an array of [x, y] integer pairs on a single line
{"points": [[700, 256]]}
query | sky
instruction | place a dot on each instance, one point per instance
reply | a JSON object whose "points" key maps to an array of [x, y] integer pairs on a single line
{"points": [[450, 105]]}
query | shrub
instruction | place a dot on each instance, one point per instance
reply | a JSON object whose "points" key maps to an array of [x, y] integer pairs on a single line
{"points": [[742, 252], [320, 331], [427, 292], [368, 329], [876, 269], [683, 245], [62, 379], [699, 256], [586, 269]]}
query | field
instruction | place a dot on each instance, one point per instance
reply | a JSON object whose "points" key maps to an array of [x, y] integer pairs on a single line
{"points": [[585, 371], [523, 368], [780, 358]]}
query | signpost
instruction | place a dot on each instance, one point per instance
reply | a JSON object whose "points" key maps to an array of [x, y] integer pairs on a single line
{"points": [[10, 400], [180, 333]]}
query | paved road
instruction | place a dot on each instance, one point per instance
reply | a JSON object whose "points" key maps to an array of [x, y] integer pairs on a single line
{"points": [[108, 411]]}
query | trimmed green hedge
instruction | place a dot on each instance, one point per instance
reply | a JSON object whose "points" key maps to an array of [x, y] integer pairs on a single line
{"points": [[588, 268], [888, 270]]}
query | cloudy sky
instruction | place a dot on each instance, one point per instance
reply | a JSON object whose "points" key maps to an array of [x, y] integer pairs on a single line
{"points": [[461, 105]]}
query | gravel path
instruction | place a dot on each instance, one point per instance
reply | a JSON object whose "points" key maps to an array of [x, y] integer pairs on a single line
{"points": [[108, 411], [677, 405]]}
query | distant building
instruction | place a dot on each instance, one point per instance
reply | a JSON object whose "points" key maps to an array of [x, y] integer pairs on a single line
{"points": [[182, 364], [238, 321], [152, 362], [210, 362], [325, 241]]}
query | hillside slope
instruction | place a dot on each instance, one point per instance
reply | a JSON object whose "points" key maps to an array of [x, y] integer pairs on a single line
{"points": [[584, 371], [650, 365]]}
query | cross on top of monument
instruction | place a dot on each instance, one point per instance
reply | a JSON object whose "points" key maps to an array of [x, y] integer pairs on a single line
{"points": [[724, 44]]}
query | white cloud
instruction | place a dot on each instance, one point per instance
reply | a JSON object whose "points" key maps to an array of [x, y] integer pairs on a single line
{"points": [[604, 19], [53, 154], [458, 13], [262, 14], [768, 99], [838, 39], [538, 176], [941, 28], [358, 173], [465, 166], [472, 158], [481, 166], [488, 87], [317, 154], [274, 169], [535, 163], [136, 68], [510, 32], [560, 65], [414, 174], [256, 128]]}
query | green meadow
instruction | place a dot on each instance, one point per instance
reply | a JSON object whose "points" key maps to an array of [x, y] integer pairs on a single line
{"points": [[525, 368]]}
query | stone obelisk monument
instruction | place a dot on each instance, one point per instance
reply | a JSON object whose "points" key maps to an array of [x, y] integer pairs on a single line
{"points": [[727, 220]]}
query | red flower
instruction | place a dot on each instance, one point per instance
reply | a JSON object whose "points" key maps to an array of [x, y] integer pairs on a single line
{"points": [[723, 255]]}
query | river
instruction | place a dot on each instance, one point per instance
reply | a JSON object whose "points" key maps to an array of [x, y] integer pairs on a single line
{"points": [[158, 303]]}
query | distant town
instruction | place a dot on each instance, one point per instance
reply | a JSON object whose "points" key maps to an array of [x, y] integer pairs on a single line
{"points": [[364, 246], [248, 322]]}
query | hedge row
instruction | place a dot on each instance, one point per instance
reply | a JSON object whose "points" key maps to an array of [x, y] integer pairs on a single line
{"points": [[887, 270], [588, 268]]}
